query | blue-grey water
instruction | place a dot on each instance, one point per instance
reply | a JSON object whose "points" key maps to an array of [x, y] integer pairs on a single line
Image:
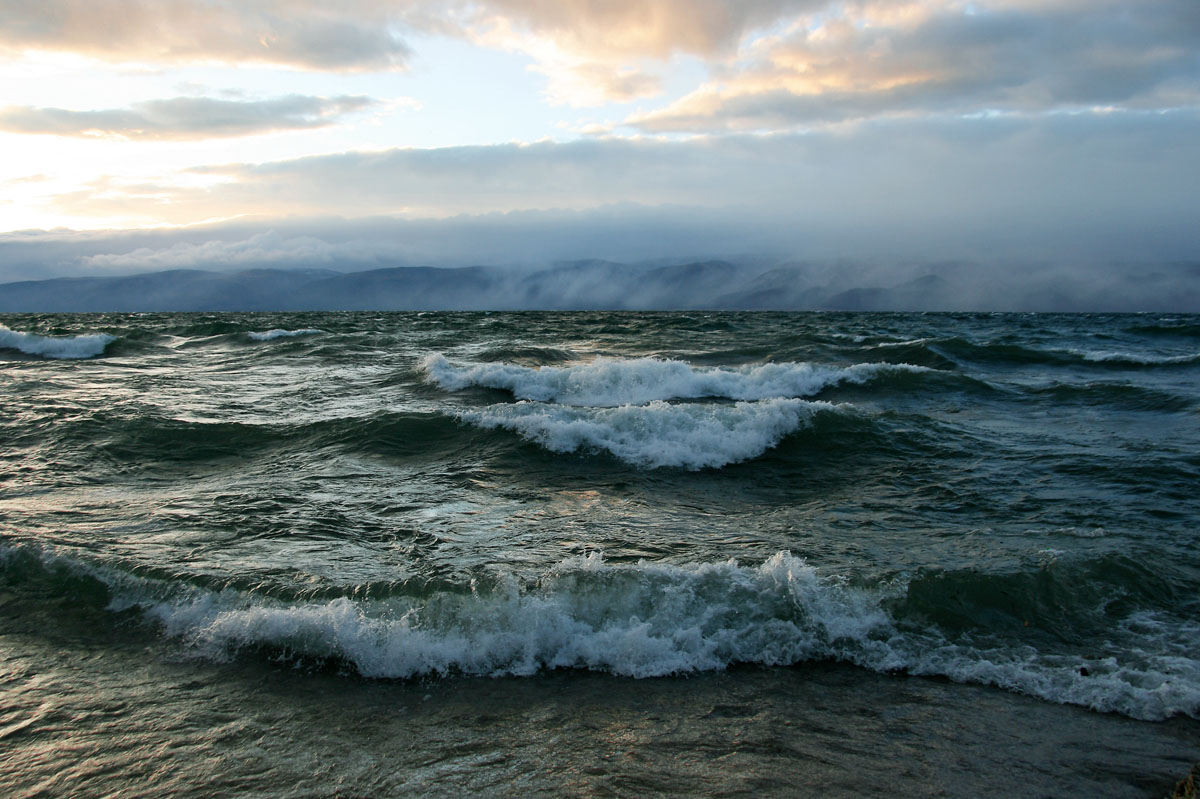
{"points": [[599, 554]]}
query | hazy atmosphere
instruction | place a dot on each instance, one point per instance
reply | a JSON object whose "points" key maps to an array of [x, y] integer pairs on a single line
{"points": [[1043, 148]]}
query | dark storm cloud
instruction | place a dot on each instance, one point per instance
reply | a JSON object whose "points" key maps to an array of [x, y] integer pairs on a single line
{"points": [[184, 118]]}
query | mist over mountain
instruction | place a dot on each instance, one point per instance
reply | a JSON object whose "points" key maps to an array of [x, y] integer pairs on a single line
{"points": [[739, 284]]}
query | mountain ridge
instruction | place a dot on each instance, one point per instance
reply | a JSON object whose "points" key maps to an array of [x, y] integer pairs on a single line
{"points": [[603, 285]]}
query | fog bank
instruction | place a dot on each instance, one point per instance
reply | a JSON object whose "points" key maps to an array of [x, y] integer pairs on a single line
{"points": [[749, 283]]}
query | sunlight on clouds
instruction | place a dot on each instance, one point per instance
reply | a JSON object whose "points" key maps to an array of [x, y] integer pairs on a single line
{"points": [[595, 53], [870, 59], [293, 33], [571, 79], [129, 201], [125, 107]]}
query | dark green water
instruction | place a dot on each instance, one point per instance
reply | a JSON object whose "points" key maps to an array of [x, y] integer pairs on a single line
{"points": [[599, 554]]}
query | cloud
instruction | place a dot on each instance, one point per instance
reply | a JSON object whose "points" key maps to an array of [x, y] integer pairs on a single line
{"points": [[358, 35], [366, 34], [874, 59], [25, 179], [516, 238], [1122, 181], [575, 83], [597, 52], [776, 64], [590, 51], [184, 118], [786, 272], [265, 249], [635, 28]]}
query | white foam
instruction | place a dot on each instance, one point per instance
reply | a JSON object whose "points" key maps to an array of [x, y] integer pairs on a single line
{"points": [[689, 435], [610, 382], [640, 621], [657, 619], [649, 620], [1115, 356], [268, 335], [907, 343], [62, 348]]}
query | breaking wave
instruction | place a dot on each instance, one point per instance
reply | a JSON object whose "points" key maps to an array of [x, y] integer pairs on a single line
{"points": [[610, 382], [689, 436], [57, 347], [269, 335], [647, 620]]}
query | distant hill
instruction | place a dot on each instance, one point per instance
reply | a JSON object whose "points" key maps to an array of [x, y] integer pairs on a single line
{"points": [[583, 285], [174, 290]]}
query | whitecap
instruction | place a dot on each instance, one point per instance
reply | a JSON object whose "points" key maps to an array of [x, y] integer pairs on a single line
{"points": [[1132, 358], [610, 382], [269, 335], [651, 619], [654, 619], [58, 347], [690, 436]]}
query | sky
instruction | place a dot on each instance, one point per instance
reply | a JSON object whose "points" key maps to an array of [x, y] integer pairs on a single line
{"points": [[149, 134]]}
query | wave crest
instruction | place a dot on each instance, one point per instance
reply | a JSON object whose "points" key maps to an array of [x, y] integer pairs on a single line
{"points": [[611, 382], [270, 335], [689, 436], [644, 620], [57, 347]]}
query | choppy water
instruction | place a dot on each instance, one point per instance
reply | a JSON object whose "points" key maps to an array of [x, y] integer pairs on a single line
{"points": [[973, 520]]}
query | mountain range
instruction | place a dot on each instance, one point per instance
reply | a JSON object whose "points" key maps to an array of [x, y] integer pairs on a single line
{"points": [[583, 285]]}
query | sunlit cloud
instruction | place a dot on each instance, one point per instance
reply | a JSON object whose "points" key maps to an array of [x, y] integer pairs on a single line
{"points": [[590, 52], [821, 110], [593, 53], [360, 34], [632, 28], [873, 59], [368, 34]]}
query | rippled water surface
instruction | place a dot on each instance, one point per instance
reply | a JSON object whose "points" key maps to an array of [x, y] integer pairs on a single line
{"points": [[423, 553]]}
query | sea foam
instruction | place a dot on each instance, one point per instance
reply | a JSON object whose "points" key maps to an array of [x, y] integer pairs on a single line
{"points": [[690, 436], [1134, 359], [269, 335], [657, 619], [610, 382], [58, 347], [647, 619]]}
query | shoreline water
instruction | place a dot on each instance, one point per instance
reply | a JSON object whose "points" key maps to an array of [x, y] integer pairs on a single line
{"points": [[144, 723], [212, 526]]}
